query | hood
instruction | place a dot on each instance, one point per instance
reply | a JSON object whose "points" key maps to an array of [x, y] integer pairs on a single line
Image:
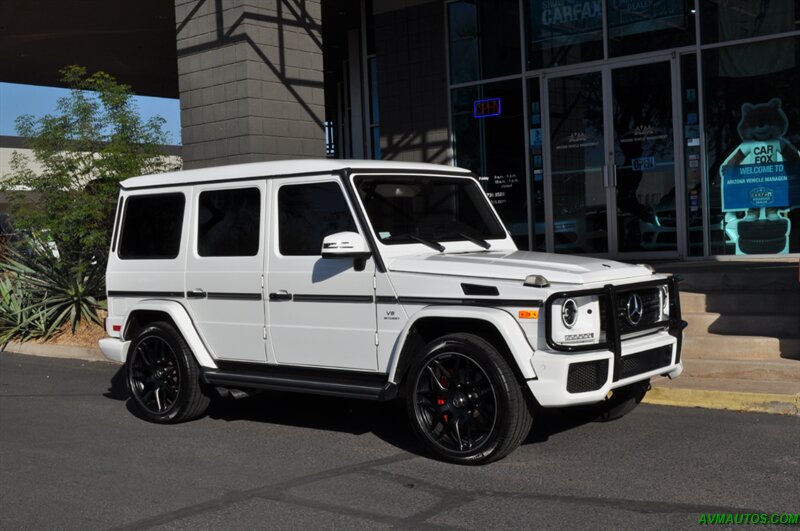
{"points": [[517, 265]]}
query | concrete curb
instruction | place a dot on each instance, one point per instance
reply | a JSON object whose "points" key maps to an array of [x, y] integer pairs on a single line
{"points": [[56, 351], [729, 400]]}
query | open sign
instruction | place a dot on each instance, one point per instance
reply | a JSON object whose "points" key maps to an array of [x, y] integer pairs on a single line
{"points": [[643, 163]]}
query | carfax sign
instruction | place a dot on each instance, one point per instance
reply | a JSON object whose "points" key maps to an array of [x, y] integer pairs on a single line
{"points": [[748, 186]]}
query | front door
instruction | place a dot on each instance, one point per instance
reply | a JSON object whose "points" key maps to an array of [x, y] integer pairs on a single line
{"points": [[613, 180], [321, 310]]}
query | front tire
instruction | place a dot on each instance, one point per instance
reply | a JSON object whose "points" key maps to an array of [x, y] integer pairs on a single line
{"points": [[163, 377], [464, 401]]}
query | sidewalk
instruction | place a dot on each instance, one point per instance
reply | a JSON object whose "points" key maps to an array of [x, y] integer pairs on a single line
{"points": [[741, 350], [779, 397]]}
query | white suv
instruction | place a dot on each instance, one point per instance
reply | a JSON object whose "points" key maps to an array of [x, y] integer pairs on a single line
{"points": [[371, 279]]}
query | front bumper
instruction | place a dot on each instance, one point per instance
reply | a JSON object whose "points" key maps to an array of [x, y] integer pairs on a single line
{"points": [[583, 374], [114, 348], [554, 385]]}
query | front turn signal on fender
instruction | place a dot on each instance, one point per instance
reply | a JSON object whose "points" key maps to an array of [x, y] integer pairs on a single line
{"points": [[529, 314]]}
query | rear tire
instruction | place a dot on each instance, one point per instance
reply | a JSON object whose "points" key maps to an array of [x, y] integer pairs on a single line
{"points": [[464, 401], [163, 377]]}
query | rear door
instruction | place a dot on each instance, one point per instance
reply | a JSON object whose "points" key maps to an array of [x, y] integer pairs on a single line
{"points": [[224, 269]]}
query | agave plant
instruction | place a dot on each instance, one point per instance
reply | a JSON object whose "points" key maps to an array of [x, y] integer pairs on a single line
{"points": [[51, 292], [18, 320]]}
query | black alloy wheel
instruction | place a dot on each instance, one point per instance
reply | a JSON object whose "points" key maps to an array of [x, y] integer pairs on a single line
{"points": [[465, 402], [163, 376], [455, 402], [155, 379]]}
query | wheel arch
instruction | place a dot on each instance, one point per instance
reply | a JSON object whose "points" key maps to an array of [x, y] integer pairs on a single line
{"points": [[495, 326], [147, 312]]}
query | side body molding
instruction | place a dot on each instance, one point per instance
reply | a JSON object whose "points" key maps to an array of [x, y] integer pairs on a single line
{"points": [[502, 321], [181, 318]]}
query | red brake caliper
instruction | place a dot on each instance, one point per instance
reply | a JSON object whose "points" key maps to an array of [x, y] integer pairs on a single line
{"points": [[440, 399]]}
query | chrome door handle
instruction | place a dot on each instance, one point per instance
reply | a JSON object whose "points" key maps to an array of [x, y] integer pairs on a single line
{"points": [[196, 293], [281, 295]]}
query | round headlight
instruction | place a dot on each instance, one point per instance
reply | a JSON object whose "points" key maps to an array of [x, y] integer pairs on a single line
{"points": [[569, 313]]}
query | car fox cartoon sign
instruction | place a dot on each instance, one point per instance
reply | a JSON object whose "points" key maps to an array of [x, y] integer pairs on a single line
{"points": [[761, 179]]}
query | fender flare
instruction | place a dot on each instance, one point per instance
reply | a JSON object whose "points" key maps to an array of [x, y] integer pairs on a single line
{"points": [[501, 320], [183, 322]]}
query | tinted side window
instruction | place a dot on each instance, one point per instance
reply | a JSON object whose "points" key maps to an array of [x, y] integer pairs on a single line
{"points": [[309, 212], [151, 228], [228, 221]]}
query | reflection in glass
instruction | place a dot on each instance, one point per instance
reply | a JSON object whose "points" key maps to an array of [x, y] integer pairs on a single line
{"points": [[493, 147], [374, 114], [647, 25], [537, 166], [690, 109], [577, 155], [408, 208], [481, 45], [562, 32], [309, 212], [644, 158], [727, 20]]}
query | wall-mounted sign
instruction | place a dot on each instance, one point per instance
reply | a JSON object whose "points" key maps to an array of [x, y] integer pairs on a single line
{"points": [[487, 108]]}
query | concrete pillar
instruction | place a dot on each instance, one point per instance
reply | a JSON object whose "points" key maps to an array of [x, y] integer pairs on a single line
{"points": [[251, 80]]}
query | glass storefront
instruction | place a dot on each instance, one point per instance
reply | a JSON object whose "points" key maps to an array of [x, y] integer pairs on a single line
{"points": [[752, 124], [639, 128], [490, 123]]}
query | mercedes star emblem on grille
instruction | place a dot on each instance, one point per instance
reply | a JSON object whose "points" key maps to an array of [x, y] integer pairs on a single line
{"points": [[634, 309]]}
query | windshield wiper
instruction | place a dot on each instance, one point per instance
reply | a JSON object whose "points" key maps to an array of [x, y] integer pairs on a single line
{"points": [[433, 245], [477, 241]]}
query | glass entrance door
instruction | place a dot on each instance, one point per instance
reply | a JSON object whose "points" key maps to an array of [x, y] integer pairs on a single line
{"points": [[612, 172], [578, 164], [643, 165]]}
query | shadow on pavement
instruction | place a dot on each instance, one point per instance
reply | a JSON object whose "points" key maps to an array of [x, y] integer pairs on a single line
{"points": [[386, 420], [548, 422], [117, 388]]}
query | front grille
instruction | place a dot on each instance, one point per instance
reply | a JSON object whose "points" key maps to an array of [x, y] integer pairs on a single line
{"points": [[651, 309], [645, 361], [587, 376]]}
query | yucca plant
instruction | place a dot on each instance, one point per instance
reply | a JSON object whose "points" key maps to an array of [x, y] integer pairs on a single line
{"points": [[55, 292]]}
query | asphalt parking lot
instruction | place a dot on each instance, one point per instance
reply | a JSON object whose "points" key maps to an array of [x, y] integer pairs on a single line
{"points": [[72, 456]]}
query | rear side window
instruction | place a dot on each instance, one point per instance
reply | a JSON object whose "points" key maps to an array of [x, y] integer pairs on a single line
{"points": [[228, 221], [151, 227], [309, 212]]}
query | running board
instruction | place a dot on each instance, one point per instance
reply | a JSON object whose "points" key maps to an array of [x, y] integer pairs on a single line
{"points": [[349, 384]]}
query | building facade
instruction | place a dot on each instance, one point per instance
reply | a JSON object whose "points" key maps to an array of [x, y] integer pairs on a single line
{"points": [[660, 129], [633, 129]]}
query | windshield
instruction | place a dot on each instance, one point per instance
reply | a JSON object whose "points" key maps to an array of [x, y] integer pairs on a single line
{"points": [[424, 209]]}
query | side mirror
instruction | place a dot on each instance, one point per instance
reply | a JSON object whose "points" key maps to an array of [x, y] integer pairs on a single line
{"points": [[345, 245]]}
